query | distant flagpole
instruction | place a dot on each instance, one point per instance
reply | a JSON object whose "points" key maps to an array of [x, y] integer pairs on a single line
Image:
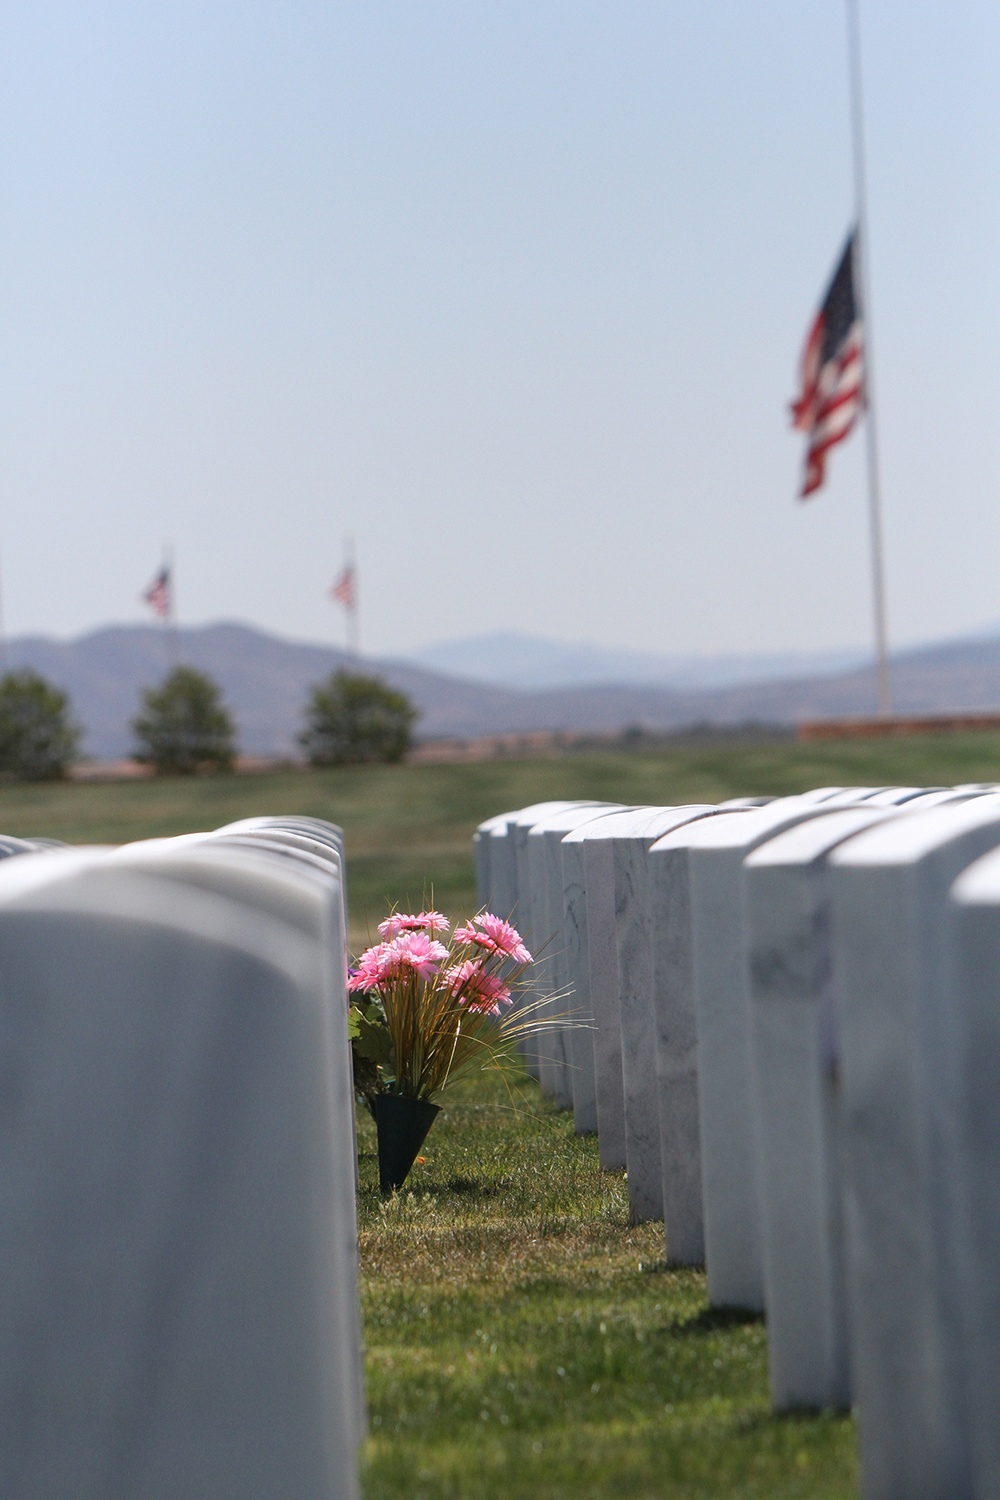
{"points": [[160, 598], [344, 591], [871, 427], [171, 617]]}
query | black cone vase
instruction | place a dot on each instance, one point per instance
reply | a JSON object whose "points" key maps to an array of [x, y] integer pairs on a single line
{"points": [[402, 1125]]}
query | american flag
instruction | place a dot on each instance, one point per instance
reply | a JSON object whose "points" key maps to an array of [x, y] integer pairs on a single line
{"points": [[157, 596], [833, 391], [342, 589]]}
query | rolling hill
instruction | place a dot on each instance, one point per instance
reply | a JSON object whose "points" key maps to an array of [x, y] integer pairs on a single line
{"points": [[265, 681]]}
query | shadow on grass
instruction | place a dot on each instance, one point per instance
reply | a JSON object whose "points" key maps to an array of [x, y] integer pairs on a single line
{"points": [[717, 1319], [757, 1421]]}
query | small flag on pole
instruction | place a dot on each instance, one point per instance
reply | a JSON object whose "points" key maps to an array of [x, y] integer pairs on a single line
{"points": [[342, 589], [157, 596], [833, 394]]}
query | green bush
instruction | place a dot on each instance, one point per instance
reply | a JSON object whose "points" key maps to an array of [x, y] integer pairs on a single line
{"points": [[38, 741], [356, 720], [184, 727]]}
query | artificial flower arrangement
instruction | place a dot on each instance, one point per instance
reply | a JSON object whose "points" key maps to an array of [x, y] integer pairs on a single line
{"points": [[426, 1012]]}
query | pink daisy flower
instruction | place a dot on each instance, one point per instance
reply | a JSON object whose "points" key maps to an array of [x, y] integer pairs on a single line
{"points": [[471, 935], [416, 950], [498, 936], [409, 952], [476, 988], [422, 921], [368, 972]]}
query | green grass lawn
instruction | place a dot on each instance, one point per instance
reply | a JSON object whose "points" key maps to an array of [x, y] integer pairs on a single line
{"points": [[523, 1339], [409, 828]]}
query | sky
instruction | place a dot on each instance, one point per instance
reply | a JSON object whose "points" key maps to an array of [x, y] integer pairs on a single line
{"points": [[512, 292]]}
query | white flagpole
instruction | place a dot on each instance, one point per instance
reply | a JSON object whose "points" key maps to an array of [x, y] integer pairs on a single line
{"points": [[170, 618], [350, 566], [871, 430]]}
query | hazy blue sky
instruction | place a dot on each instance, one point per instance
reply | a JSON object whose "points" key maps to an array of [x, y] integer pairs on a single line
{"points": [[514, 291]]}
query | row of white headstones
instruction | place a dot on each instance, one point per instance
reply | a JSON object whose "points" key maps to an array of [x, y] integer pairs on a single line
{"points": [[783, 1019], [178, 1235]]}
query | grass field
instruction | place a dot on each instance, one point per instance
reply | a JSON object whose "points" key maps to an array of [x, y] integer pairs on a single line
{"points": [[523, 1339], [409, 827]]}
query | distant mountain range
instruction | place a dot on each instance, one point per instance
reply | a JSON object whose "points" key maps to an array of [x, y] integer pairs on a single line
{"points": [[265, 681], [512, 659]]}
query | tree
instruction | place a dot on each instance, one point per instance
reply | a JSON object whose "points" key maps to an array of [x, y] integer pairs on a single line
{"points": [[38, 740], [184, 727], [351, 720]]}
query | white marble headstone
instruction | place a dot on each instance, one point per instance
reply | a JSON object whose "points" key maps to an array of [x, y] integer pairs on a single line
{"points": [[482, 846], [593, 870], [633, 930], [898, 1072], [974, 933], [588, 901], [797, 1107], [551, 976], [577, 951], [530, 920], [175, 1274], [705, 863], [317, 856]]}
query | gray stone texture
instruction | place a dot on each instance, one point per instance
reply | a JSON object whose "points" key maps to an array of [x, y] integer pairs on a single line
{"points": [[482, 846], [974, 940], [509, 877], [797, 1107], [716, 848], [898, 1058], [174, 1170], [595, 871], [552, 982], [635, 1002]]}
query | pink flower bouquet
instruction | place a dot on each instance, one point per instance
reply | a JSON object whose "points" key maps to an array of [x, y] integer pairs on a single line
{"points": [[425, 1011]]}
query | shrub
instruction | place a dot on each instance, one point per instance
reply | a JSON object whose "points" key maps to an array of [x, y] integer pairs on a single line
{"points": [[38, 741], [184, 727], [353, 720]]}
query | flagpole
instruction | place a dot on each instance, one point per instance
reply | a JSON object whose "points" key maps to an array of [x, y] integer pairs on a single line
{"points": [[871, 429], [353, 634], [170, 618]]}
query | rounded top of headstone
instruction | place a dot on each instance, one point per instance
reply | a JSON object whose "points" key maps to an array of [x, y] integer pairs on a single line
{"points": [[813, 839], [979, 885], [9, 845], [21, 878], [487, 827], [937, 797], [849, 795], [893, 796], [638, 822], [905, 840], [318, 830], [574, 817], [307, 853], [527, 817], [744, 830]]}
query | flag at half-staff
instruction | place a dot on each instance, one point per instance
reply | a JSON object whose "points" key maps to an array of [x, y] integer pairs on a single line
{"points": [[833, 390], [342, 590], [157, 596]]}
